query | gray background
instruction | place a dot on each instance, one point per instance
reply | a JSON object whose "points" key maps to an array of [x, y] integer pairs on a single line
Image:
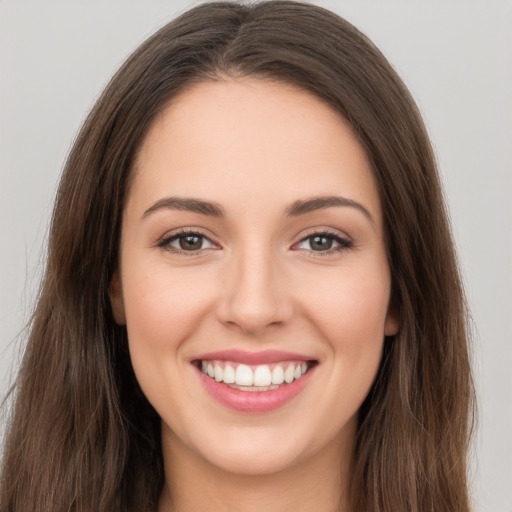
{"points": [[456, 57]]}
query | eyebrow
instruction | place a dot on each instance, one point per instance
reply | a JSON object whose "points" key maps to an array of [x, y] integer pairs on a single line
{"points": [[301, 207], [187, 204], [212, 209]]}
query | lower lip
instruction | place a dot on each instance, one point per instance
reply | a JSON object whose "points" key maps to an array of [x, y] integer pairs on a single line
{"points": [[254, 401]]}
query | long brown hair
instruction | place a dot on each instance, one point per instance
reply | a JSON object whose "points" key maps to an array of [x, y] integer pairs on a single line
{"points": [[82, 436]]}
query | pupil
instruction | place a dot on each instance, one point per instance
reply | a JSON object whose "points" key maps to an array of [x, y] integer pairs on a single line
{"points": [[191, 242], [321, 243]]}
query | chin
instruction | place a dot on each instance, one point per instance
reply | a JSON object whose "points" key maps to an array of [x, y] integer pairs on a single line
{"points": [[269, 449], [253, 460]]}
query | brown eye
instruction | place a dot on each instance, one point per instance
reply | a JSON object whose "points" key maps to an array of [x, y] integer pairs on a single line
{"points": [[186, 242], [324, 242], [321, 243], [191, 242]]}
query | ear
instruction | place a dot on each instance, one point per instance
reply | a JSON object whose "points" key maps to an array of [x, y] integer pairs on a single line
{"points": [[392, 323], [116, 299]]}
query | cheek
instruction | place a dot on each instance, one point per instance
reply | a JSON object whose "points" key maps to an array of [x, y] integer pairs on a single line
{"points": [[356, 309], [163, 308], [351, 325], [163, 297]]}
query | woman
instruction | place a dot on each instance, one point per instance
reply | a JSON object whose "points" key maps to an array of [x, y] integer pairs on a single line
{"points": [[251, 298]]}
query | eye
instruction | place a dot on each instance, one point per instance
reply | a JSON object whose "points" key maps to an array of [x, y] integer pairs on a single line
{"points": [[324, 243], [186, 241]]}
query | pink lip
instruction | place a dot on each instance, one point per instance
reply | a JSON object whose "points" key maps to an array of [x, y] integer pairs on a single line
{"points": [[254, 401], [254, 358]]}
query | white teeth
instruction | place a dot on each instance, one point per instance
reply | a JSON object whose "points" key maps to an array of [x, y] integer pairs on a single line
{"points": [[244, 375], [289, 374], [219, 373], [277, 375], [229, 375], [262, 376]]}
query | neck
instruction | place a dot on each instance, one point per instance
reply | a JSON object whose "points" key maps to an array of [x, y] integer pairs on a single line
{"points": [[192, 483]]}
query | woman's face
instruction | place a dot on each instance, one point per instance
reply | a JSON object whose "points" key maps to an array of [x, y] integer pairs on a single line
{"points": [[252, 249]]}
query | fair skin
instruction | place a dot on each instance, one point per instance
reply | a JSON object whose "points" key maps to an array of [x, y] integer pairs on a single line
{"points": [[258, 272]]}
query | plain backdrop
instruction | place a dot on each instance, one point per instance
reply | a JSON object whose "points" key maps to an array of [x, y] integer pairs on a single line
{"points": [[455, 56]]}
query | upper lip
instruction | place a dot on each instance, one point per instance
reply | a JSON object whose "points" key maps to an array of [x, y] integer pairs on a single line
{"points": [[254, 358]]}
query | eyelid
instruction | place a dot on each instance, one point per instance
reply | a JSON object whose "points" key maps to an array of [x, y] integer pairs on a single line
{"points": [[164, 241], [344, 241]]}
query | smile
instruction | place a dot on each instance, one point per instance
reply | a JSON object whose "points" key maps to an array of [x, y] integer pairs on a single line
{"points": [[263, 377], [254, 382]]}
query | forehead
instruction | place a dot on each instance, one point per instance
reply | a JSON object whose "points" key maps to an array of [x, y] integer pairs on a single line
{"points": [[256, 139]]}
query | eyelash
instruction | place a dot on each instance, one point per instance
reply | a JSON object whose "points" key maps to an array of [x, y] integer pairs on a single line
{"points": [[165, 242], [343, 243]]}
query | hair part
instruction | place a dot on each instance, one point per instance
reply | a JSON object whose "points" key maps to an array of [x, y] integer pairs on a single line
{"points": [[83, 436]]}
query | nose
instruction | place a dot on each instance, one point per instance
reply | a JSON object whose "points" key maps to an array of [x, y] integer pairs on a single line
{"points": [[255, 296]]}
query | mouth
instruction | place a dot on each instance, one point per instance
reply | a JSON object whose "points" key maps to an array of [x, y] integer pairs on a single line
{"points": [[249, 382], [259, 378]]}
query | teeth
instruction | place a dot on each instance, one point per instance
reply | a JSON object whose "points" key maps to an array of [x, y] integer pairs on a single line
{"points": [[289, 374], [262, 376], [229, 375], [244, 375], [278, 375], [257, 378]]}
